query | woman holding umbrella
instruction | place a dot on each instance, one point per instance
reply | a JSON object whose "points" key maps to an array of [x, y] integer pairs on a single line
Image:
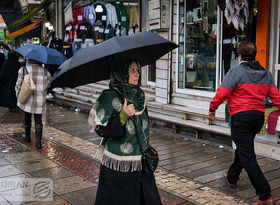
{"points": [[36, 103], [121, 180], [37, 56]]}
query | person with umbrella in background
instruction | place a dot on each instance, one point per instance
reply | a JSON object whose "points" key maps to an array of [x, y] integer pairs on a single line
{"points": [[8, 79], [37, 55], [121, 180], [37, 102]]}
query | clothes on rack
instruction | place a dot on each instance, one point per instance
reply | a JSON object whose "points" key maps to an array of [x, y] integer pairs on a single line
{"points": [[112, 18], [77, 14], [133, 19], [92, 23], [89, 14], [68, 14], [122, 14]]}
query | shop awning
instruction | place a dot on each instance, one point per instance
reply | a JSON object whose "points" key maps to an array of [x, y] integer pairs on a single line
{"points": [[24, 29]]}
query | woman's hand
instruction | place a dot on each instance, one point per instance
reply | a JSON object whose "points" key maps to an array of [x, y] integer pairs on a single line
{"points": [[129, 109]]}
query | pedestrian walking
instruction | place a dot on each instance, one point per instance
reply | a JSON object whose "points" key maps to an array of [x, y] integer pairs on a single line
{"points": [[245, 87], [121, 179], [8, 79], [36, 103]]}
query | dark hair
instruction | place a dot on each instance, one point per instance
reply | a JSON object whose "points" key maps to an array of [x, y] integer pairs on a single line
{"points": [[248, 51]]}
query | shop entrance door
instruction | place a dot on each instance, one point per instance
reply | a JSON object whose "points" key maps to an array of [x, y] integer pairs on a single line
{"points": [[231, 37]]}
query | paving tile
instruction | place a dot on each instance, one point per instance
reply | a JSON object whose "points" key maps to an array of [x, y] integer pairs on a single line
{"points": [[27, 194], [14, 149], [210, 177], [23, 157], [34, 165], [9, 170], [71, 184], [52, 173], [12, 117], [3, 162], [15, 181], [6, 143], [81, 197], [169, 199], [3, 201], [57, 200]]}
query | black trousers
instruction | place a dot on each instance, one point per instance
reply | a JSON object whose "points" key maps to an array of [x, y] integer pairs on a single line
{"points": [[37, 119], [244, 127]]}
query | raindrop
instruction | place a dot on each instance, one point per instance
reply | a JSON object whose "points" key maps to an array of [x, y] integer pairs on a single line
{"points": [[203, 145], [221, 146]]}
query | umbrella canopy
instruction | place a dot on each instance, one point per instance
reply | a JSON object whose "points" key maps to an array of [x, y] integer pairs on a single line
{"points": [[42, 54], [94, 64]]}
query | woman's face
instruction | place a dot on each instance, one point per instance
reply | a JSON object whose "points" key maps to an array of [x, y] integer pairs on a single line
{"points": [[133, 74]]}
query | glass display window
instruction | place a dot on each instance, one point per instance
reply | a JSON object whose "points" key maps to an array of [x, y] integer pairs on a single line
{"points": [[197, 44]]}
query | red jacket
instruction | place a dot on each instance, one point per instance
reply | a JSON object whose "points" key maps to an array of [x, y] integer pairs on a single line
{"points": [[245, 87]]}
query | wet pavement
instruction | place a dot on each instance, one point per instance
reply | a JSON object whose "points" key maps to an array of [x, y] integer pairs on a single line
{"points": [[190, 171]]}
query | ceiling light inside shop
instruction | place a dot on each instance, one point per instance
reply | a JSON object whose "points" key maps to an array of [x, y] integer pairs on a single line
{"points": [[99, 9], [47, 24]]}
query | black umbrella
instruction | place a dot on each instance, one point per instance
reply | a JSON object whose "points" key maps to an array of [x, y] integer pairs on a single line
{"points": [[94, 64]]}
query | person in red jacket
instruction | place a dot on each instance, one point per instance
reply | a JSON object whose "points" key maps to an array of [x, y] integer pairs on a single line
{"points": [[245, 87]]}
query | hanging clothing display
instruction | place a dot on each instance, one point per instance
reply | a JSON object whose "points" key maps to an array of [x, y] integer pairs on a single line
{"points": [[68, 14], [112, 18], [133, 19], [101, 12], [237, 12], [122, 14], [92, 23], [89, 14], [77, 14]]}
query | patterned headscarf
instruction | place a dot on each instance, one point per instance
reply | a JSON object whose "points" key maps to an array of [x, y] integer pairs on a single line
{"points": [[120, 82]]}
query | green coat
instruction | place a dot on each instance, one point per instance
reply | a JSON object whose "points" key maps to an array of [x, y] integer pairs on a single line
{"points": [[123, 153]]}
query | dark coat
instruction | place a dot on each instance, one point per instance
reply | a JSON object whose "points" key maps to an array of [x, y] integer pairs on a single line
{"points": [[2, 60], [8, 78]]}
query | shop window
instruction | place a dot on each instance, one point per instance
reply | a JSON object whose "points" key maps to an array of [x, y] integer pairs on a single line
{"points": [[152, 73], [197, 44]]}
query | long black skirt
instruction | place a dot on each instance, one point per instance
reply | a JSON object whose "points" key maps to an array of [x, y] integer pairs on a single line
{"points": [[126, 188]]}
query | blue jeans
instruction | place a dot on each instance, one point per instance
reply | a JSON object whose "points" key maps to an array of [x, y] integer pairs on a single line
{"points": [[76, 46]]}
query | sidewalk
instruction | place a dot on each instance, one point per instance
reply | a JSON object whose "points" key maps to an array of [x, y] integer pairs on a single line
{"points": [[190, 172]]}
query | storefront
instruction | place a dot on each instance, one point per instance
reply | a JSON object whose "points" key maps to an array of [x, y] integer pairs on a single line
{"points": [[208, 44]]}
